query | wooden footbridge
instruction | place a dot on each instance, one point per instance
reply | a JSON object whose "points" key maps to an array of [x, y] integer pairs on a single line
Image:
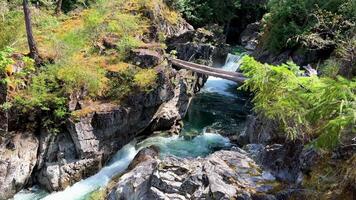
{"points": [[210, 71]]}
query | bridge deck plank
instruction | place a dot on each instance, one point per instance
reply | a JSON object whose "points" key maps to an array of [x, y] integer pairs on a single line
{"points": [[233, 76], [210, 71]]}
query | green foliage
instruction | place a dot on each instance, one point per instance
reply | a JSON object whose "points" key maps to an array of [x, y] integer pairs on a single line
{"points": [[12, 27], [124, 82], [14, 78], [69, 5], [313, 107], [40, 95], [76, 77], [313, 23], [126, 43], [146, 79], [70, 44], [202, 12], [48, 91], [5, 59], [120, 84]]}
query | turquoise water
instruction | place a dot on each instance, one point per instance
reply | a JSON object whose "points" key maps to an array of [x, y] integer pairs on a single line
{"points": [[216, 109]]}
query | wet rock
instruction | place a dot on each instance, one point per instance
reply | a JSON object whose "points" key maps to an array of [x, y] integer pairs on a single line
{"points": [[17, 161], [134, 184], [172, 112], [222, 175], [284, 161], [58, 163]]}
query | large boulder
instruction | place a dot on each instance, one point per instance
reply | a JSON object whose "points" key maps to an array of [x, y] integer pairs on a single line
{"points": [[141, 168], [18, 157], [222, 175]]}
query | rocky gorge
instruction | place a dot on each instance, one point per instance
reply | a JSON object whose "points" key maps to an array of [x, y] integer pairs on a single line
{"points": [[191, 137]]}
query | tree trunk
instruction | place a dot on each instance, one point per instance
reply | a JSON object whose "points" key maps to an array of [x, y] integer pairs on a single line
{"points": [[59, 7], [31, 41]]}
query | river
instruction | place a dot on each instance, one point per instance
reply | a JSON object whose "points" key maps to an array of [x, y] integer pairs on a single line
{"points": [[218, 109]]}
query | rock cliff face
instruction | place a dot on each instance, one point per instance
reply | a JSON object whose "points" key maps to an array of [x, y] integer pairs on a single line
{"points": [[170, 25], [222, 175], [93, 138], [202, 46], [18, 159]]}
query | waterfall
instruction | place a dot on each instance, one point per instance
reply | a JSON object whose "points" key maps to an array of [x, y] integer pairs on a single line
{"points": [[232, 62], [222, 86]]}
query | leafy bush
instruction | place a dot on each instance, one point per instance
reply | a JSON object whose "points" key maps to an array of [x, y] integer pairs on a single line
{"points": [[202, 12], [41, 95], [5, 60], [312, 107], [312, 23], [126, 24]]}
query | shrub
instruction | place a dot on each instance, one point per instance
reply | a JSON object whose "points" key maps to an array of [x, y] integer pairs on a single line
{"points": [[127, 43], [77, 77], [5, 60], [201, 12], [311, 107], [121, 83], [146, 79], [42, 95], [312, 23], [50, 88]]}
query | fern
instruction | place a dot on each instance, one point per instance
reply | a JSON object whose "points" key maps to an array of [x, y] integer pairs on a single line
{"points": [[312, 107]]}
